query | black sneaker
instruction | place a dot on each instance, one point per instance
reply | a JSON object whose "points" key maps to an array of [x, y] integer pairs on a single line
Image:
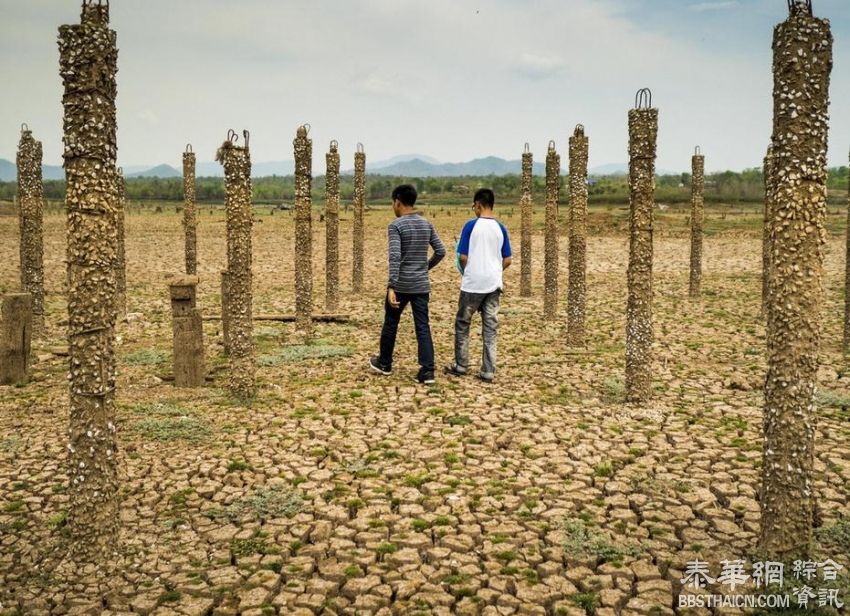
{"points": [[484, 378], [453, 370], [376, 365], [425, 378]]}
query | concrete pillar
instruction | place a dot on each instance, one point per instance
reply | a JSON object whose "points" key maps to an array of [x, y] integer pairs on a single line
{"points": [[303, 232], [15, 338], [332, 229], [577, 284], [526, 205], [188, 333], [550, 265], [237, 202], [190, 213], [88, 58], [802, 62], [359, 204], [643, 133], [697, 214], [31, 211]]}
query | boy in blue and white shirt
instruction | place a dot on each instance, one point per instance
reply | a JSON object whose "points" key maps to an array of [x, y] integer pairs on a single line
{"points": [[484, 253]]}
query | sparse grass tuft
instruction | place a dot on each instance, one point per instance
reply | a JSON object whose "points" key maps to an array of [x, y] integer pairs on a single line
{"points": [[262, 504], [235, 466], [250, 546], [303, 352], [583, 542], [416, 480], [835, 537], [164, 421], [834, 399], [587, 601], [146, 357], [57, 520]]}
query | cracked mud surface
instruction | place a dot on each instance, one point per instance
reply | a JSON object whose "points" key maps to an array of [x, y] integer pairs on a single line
{"points": [[341, 492]]}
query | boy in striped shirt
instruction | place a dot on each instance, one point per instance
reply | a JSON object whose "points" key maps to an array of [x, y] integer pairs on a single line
{"points": [[409, 235]]}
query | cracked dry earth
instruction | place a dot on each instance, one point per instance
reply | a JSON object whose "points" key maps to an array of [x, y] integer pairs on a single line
{"points": [[341, 492]]}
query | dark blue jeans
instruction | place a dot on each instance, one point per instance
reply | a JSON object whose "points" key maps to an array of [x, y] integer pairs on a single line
{"points": [[419, 304]]}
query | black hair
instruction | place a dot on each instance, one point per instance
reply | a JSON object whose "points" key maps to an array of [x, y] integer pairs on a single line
{"points": [[485, 197], [406, 193]]}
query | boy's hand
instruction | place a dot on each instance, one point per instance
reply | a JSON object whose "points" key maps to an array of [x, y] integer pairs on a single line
{"points": [[392, 299]]}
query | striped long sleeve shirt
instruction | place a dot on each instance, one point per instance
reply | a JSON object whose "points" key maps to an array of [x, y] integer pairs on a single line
{"points": [[409, 238]]}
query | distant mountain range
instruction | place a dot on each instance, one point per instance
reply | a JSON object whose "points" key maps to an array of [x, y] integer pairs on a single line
{"points": [[405, 165]]}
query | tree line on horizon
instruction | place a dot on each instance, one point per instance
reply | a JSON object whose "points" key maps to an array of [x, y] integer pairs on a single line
{"points": [[745, 186]]}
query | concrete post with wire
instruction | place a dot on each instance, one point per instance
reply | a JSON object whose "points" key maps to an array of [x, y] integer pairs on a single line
{"points": [[643, 133], [526, 206]]}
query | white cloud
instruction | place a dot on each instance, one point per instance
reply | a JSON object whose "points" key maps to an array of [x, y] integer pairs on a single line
{"points": [[718, 5], [536, 66], [148, 117]]}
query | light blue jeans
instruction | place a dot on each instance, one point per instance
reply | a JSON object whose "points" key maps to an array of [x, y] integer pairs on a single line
{"points": [[488, 305]]}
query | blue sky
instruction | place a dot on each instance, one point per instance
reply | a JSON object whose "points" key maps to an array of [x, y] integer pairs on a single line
{"points": [[453, 79]]}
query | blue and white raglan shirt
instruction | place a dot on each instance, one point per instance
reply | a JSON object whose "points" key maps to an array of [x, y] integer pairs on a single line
{"points": [[485, 243]]}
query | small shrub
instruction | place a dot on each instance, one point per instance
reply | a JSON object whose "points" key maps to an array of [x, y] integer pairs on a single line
{"points": [[613, 389]]}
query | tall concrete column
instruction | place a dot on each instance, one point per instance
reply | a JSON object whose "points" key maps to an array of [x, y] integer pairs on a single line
{"points": [[550, 265], [88, 62], [697, 213], [643, 132], [303, 231], [31, 222], [239, 297], [526, 205], [190, 212], [802, 62], [577, 289], [332, 228], [359, 204]]}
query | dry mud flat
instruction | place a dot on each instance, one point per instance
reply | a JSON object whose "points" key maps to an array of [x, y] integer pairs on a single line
{"points": [[340, 492]]}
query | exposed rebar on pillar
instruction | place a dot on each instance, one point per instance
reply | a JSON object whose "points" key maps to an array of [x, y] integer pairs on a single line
{"points": [[577, 266], [697, 214], [303, 231], [332, 228], [550, 265], [237, 204], [767, 172], [802, 62], [88, 62], [120, 253], [359, 202], [31, 223], [643, 132], [190, 213], [526, 205]]}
